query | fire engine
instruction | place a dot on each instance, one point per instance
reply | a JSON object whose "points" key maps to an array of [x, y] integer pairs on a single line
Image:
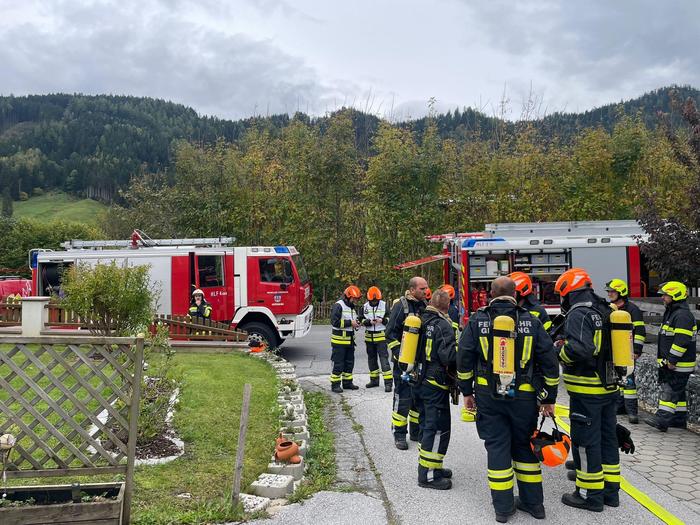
{"points": [[606, 249], [264, 290]]}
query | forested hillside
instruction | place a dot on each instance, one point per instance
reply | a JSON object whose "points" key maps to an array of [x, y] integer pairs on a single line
{"points": [[91, 146]]}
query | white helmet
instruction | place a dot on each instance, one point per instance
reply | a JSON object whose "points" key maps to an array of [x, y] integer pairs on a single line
{"points": [[198, 292]]}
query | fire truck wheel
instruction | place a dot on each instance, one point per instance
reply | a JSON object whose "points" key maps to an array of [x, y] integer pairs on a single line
{"points": [[262, 333]]}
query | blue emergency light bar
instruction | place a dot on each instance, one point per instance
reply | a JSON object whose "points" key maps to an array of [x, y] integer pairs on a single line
{"points": [[281, 249]]}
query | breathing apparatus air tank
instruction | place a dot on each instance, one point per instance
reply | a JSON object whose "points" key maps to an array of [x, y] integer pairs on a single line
{"points": [[622, 338], [409, 343], [504, 353]]}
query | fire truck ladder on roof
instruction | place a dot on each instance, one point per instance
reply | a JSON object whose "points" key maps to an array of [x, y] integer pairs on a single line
{"points": [[140, 238]]}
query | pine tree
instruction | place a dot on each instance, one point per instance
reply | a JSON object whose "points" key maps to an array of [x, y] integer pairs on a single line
{"points": [[7, 207]]}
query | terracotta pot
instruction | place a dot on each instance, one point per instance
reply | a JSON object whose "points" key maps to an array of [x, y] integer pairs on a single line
{"points": [[286, 450], [295, 460], [280, 439]]}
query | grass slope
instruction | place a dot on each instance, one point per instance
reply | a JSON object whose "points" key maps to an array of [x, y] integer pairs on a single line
{"points": [[62, 207]]}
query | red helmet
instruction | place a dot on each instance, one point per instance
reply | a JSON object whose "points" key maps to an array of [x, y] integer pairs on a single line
{"points": [[572, 280], [550, 449], [374, 293], [449, 289], [428, 293], [352, 292], [523, 283]]}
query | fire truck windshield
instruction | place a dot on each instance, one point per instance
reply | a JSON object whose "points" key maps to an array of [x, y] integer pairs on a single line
{"points": [[301, 269]]}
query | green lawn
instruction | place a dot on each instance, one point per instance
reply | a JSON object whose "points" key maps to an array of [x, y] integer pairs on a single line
{"points": [[60, 206]]}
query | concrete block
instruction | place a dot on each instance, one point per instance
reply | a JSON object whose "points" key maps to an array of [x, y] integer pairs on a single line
{"points": [[285, 377], [299, 421], [252, 503], [287, 469], [296, 436], [273, 486]]}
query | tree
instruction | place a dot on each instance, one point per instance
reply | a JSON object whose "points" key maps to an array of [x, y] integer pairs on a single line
{"points": [[7, 206]]}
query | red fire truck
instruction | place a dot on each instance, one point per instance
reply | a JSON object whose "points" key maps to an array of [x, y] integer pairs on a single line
{"points": [[264, 290], [606, 249]]}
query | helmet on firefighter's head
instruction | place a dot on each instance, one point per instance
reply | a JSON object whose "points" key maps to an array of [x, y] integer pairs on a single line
{"points": [[352, 292], [571, 281], [617, 285], [674, 289], [523, 283], [449, 289], [198, 292], [428, 294], [550, 449], [374, 294]]}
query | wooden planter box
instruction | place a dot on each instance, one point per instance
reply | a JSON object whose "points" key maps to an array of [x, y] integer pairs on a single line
{"points": [[54, 505]]}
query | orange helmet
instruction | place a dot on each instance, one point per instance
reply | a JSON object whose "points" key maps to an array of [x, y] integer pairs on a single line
{"points": [[374, 293], [550, 449], [352, 292], [572, 280], [449, 289], [523, 283], [428, 293]]}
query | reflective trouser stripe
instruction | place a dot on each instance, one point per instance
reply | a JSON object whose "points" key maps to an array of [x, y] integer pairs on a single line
{"points": [[501, 479], [630, 393], [611, 473], [682, 406], [398, 420], [374, 374], [335, 378], [387, 375], [590, 480], [668, 406], [341, 341], [465, 376], [527, 472], [347, 376], [413, 416], [551, 381], [429, 459]]}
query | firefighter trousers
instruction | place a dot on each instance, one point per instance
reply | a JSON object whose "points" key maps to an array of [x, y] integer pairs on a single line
{"points": [[343, 358], [377, 354], [435, 430], [404, 410], [673, 407], [594, 445], [506, 427], [627, 401]]}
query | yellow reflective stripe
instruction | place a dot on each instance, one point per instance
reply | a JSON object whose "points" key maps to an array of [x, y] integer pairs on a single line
{"points": [[551, 381], [667, 404], [563, 356], [683, 331], [597, 341], [398, 420], [582, 379], [535, 313], [667, 327], [547, 325], [428, 349], [528, 478], [484, 342], [413, 416], [677, 350], [430, 455], [500, 474], [640, 338], [481, 381], [393, 344], [527, 350], [526, 387], [435, 383], [527, 467], [429, 464], [591, 390], [638, 323], [501, 485], [589, 476], [464, 376], [591, 485], [335, 378]]}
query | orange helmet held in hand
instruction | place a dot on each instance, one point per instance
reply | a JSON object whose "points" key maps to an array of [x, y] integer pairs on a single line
{"points": [[550, 449], [352, 292], [449, 289], [523, 283], [572, 280], [374, 294]]}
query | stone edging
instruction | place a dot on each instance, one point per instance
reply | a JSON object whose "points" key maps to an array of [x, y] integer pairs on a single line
{"points": [[282, 479]]}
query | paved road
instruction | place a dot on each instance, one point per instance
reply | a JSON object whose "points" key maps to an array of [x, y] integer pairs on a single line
{"points": [[367, 444]]}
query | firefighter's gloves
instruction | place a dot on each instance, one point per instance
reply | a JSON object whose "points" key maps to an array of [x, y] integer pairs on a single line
{"points": [[624, 440]]}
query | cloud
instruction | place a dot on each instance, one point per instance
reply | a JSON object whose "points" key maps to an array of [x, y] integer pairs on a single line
{"points": [[124, 48]]}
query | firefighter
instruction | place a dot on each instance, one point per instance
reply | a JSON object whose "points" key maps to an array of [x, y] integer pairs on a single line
{"points": [[507, 405], [618, 294], [436, 371], [453, 311], [374, 316], [199, 307], [526, 299], [676, 357], [413, 302], [584, 354], [343, 325]]}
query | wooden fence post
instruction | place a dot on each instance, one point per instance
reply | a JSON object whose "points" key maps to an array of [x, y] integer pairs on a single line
{"points": [[134, 411], [242, 430]]}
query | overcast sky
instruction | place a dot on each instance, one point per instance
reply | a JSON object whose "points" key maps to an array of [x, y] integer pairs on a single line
{"points": [[235, 58]]}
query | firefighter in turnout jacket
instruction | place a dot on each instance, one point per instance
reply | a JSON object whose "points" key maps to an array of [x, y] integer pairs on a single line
{"points": [[498, 352], [374, 317], [453, 311], [199, 307], [676, 357], [435, 373], [413, 302], [618, 294], [585, 355], [343, 325], [526, 299]]}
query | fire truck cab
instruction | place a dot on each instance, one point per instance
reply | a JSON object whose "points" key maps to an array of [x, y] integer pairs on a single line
{"points": [[606, 249], [264, 290]]}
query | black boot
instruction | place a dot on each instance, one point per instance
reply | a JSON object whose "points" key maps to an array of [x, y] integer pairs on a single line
{"points": [[373, 382], [335, 387], [633, 419], [536, 511], [658, 425], [388, 386], [443, 473], [575, 500], [400, 442], [437, 484], [349, 385], [678, 424], [612, 500], [502, 517], [570, 465], [571, 475], [413, 433]]}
